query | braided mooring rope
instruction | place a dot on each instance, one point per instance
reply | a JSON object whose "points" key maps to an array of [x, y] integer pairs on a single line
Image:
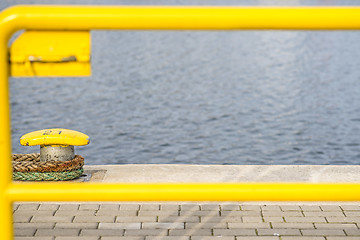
{"points": [[47, 176], [31, 163], [27, 167]]}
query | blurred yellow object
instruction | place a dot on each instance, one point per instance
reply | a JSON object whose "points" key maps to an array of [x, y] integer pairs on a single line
{"points": [[51, 53]]}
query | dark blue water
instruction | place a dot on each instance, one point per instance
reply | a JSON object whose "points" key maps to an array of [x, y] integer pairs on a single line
{"points": [[239, 97]]}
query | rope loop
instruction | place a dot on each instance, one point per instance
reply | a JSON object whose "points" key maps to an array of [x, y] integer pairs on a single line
{"points": [[28, 167]]}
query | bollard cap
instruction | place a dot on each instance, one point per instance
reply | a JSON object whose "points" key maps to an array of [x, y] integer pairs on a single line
{"points": [[55, 136]]}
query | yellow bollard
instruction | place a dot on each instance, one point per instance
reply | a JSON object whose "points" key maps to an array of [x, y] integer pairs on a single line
{"points": [[55, 144]]}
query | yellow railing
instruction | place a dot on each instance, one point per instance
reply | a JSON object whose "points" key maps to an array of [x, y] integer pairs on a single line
{"points": [[160, 18]]}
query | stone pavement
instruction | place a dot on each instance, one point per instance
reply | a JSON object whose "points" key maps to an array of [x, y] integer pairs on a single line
{"points": [[188, 221], [199, 220]]}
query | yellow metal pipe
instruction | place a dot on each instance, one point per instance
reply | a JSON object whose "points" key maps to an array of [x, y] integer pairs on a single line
{"points": [[182, 18], [6, 217], [184, 192], [158, 18], [5, 143], [6, 229]]}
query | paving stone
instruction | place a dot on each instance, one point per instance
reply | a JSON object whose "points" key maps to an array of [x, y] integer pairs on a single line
{"points": [[353, 232], [335, 225], [273, 219], [212, 238], [77, 238], [93, 219], [248, 225], [252, 219], [102, 232], [310, 208], [293, 225], [342, 238], [69, 207], [330, 208], [173, 225], [234, 232], [157, 213], [168, 238], [352, 213], [279, 232], [282, 214], [169, 207], [258, 238], [302, 238], [28, 206], [189, 219], [33, 238], [149, 207], [124, 213], [221, 219], [15, 206], [52, 219], [123, 238], [191, 207], [109, 206], [305, 219], [119, 219], [77, 225], [240, 213], [24, 231], [343, 219], [34, 225], [45, 206], [286, 208], [200, 213], [21, 219], [57, 232], [75, 213], [324, 214], [350, 207], [230, 207], [208, 225], [190, 232], [210, 207], [129, 206], [124, 225], [120, 213], [270, 208], [250, 208], [89, 207], [323, 232], [146, 232], [34, 213]]}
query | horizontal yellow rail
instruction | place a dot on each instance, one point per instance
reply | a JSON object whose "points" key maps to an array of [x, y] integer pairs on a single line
{"points": [[182, 18], [184, 192]]}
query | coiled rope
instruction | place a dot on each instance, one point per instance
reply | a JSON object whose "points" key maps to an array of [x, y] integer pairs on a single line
{"points": [[27, 167]]}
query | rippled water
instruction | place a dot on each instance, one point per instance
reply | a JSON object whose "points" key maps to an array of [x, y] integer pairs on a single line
{"points": [[222, 97]]}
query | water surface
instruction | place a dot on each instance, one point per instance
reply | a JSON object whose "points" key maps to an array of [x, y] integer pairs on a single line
{"points": [[205, 97]]}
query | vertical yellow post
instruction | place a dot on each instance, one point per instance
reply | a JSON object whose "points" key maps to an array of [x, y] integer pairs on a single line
{"points": [[6, 229]]}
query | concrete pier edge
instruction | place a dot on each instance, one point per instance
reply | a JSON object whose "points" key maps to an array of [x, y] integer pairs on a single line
{"points": [[169, 173]]}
